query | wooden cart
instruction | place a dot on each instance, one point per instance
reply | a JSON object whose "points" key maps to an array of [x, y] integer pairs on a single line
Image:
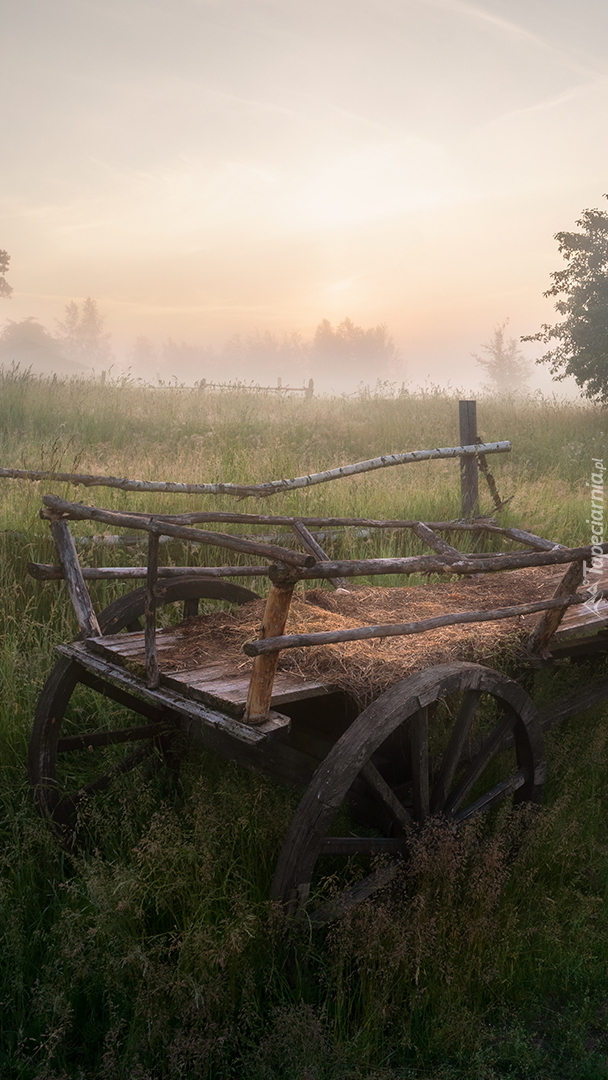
{"points": [[452, 740]]}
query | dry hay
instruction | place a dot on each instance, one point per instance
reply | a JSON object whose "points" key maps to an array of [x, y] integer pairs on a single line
{"points": [[366, 668]]}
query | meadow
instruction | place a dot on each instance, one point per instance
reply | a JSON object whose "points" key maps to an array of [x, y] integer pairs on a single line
{"points": [[157, 955]]}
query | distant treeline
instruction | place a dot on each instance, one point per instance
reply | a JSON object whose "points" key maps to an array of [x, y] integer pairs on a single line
{"points": [[349, 351], [80, 345]]}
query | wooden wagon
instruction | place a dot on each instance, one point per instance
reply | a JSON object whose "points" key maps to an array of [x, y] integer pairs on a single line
{"points": [[451, 739]]}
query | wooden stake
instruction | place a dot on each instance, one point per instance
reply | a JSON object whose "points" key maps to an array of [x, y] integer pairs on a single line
{"points": [[469, 485], [152, 672], [433, 541], [79, 594], [264, 667], [550, 621], [315, 549]]}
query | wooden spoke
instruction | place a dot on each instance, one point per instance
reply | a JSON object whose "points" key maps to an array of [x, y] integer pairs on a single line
{"points": [[362, 845], [102, 782], [191, 607], [419, 746], [361, 891], [454, 750], [479, 763], [454, 740], [108, 738], [494, 795], [384, 792]]}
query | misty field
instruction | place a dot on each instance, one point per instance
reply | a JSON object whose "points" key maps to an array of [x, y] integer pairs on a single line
{"points": [[156, 955]]}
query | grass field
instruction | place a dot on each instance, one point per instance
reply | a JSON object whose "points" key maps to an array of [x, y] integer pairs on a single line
{"points": [[157, 956]]}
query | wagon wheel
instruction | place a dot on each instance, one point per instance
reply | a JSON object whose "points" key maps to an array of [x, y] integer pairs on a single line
{"points": [[451, 741], [72, 730]]}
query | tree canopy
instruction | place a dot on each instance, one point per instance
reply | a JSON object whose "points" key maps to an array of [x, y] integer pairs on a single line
{"points": [[349, 349], [81, 334], [581, 289], [5, 288], [504, 365]]}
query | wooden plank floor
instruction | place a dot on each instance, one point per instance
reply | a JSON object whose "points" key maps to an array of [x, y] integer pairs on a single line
{"points": [[584, 620], [220, 685]]}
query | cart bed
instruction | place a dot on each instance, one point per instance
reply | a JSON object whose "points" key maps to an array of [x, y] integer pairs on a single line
{"points": [[580, 621], [219, 684]]}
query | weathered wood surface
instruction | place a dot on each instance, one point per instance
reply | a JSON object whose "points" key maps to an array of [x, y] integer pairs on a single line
{"points": [[152, 672], [56, 507], [585, 698], [430, 538], [588, 618], [469, 480], [258, 490], [79, 594], [165, 698], [547, 626], [218, 684], [308, 541], [48, 572], [445, 564], [364, 633], [265, 665], [307, 833], [491, 482], [228, 517], [524, 537]]}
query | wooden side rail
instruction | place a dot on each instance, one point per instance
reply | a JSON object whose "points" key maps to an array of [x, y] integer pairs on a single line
{"points": [[261, 490], [362, 633], [59, 508]]}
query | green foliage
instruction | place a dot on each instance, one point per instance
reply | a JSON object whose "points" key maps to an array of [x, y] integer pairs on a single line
{"points": [[582, 290], [504, 364], [158, 956], [81, 335], [5, 288]]}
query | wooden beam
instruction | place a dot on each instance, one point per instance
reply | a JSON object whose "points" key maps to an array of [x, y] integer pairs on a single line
{"points": [[152, 672], [79, 594], [258, 490], [433, 541], [311, 545], [264, 667], [445, 564], [47, 572], [469, 483], [364, 633], [78, 512], [549, 622]]}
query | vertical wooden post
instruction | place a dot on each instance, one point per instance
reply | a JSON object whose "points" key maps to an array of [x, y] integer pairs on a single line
{"points": [[310, 389], [152, 672], [550, 620], [76, 585], [273, 624], [469, 486]]}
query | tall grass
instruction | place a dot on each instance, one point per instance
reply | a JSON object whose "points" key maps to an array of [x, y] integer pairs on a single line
{"points": [[158, 956]]}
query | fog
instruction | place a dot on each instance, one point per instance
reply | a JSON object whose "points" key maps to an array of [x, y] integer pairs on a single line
{"points": [[211, 172]]}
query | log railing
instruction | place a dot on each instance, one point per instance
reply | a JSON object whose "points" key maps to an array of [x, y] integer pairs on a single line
{"points": [[285, 567]]}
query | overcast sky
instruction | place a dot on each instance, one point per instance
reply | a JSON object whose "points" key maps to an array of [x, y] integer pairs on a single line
{"points": [[206, 167]]}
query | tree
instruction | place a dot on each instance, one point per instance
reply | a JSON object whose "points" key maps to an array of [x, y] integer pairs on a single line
{"points": [[5, 288], [504, 364], [81, 334], [29, 344], [582, 292], [352, 350]]}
